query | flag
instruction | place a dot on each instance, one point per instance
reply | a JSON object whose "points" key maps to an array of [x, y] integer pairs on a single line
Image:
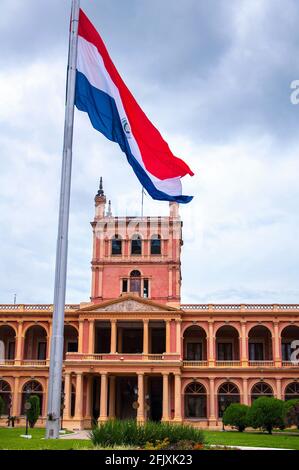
{"points": [[113, 111]]}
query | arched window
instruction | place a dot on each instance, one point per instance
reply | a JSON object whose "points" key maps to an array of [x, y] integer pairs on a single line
{"points": [[227, 393], [5, 394], [261, 389], [292, 391], [135, 281], [156, 245], [116, 247], [32, 388], [195, 401], [136, 245]]}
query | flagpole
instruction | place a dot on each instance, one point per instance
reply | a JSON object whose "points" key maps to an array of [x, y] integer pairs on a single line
{"points": [[57, 339]]}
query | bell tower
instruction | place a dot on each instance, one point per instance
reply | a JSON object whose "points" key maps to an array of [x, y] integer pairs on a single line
{"points": [[136, 255]]}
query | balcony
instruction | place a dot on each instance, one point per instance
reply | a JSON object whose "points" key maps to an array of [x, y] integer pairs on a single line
{"points": [[195, 363], [121, 358], [290, 364], [261, 363], [24, 363]]}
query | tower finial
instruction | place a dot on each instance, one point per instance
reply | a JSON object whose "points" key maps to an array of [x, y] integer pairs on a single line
{"points": [[109, 212], [101, 190]]}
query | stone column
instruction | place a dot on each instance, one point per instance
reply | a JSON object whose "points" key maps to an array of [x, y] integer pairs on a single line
{"points": [[103, 399], [244, 351], [67, 395], [177, 398], [167, 336], [140, 409], [278, 389], [245, 391], [277, 348], [79, 396], [91, 335], [145, 336], [165, 412], [16, 398], [178, 323], [211, 356], [19, 343], [112, 384], [88, 396], [212, 417], [113, 336], [80, 338]]}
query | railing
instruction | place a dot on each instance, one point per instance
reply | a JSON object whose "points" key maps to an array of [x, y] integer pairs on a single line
{"points": [[122, 357], [33, 362], [195, 363], [35, 307], [290, 364], [228, 363], [240, 307], [261, 363], [7, 362]]}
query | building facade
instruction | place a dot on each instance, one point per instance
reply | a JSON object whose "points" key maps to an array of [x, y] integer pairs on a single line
{"points": [[136, 351]]}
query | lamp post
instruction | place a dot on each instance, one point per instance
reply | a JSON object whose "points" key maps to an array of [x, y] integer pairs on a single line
{"points": [[27, 407]]}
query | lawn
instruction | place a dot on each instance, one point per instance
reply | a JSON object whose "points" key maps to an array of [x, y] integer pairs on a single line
{"points": [[252, 439], [10, 439]]}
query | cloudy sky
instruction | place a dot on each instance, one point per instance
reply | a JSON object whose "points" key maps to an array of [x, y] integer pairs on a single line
{"points": [[214, 77]]}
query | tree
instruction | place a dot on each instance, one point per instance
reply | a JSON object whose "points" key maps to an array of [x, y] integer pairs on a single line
{"points": [[34, 411], [236, 415], [2, 406], [266, 413], [291, 413]]}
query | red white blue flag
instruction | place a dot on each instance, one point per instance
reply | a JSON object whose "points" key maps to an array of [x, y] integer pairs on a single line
{"points": [[113, 111]]}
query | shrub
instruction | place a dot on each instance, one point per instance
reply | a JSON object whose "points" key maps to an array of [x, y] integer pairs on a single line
{"points": [[291, 413], [34, 411], [236, 415], [116, 432], [266, 413], [2, 406]]}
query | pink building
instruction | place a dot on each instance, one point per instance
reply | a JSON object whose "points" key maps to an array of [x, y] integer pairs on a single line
{"points": [[135, 350]]}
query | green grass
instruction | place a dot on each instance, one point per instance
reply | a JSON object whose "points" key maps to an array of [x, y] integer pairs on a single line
{"points": [[254, 439], [10, 439]]}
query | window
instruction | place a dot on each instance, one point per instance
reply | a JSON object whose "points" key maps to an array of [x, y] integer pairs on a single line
{"points": [[261, 389], [256, 351], [136, 245], [41, 350], [194, 351], [227, 393], [225, 352], [286, 351], [5, 394], [135, 282], [116, 247], [124, 285], [72, 346], [292, 391], [145, 288], [195, 401], [156, 245]]}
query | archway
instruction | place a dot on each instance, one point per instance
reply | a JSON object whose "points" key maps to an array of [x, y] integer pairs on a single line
{"points": [[260, 344], [227, 344], [70, 339], [8, 338], [228, 393], [33, 387], [5, 394], [195, 401], [195, 344], [261, 389], [292, 391], [35, 347], [289, 335]]}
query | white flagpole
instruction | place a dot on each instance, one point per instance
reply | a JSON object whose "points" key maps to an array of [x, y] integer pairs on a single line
{"points": [[56, 357]]}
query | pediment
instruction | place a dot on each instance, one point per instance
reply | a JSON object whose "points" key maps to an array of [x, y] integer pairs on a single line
{"points": [[128, 304]]}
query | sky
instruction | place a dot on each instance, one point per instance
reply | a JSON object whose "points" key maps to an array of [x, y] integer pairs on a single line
{"points": [[215, 78]]}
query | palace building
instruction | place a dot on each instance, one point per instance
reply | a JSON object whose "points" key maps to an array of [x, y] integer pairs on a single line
{"points": [[136, 351]]}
